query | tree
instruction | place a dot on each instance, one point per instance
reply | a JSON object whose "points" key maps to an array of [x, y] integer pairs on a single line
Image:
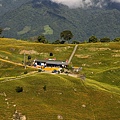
{"points": [[105, 39], [62, 42], [51, 54], [1, 31], [56, 42], [93, 39], [42, 39], [29, 62], [29, 57], [66, 35], [75, 42], [116, 40]]}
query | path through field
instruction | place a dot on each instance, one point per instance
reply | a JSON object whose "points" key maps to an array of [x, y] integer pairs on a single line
{"points": [[74, 50]]}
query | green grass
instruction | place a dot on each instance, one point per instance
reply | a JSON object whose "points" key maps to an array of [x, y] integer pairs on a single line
{"points": [[58, 99], [99, 61], [25, 30], [96, 98], [48, 30]]}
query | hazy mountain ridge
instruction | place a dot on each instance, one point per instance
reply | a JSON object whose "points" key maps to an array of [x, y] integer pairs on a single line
{"points": [[29, 19], [9, 5]]}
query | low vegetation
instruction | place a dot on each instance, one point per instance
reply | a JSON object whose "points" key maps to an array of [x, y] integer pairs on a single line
{"points": [[48, 96]]}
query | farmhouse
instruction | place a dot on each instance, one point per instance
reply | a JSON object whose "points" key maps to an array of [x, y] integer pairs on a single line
{"points": [[50, 63]]}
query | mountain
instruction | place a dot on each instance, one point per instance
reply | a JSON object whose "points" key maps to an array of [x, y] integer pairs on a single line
{"points": [[25, 19], [9, 5]]}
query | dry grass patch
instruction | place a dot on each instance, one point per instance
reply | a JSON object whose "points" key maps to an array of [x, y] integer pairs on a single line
{"points": [[98, 49], [116, 55], [62, 48], [82, 56], [116, 51], [29, 52]]}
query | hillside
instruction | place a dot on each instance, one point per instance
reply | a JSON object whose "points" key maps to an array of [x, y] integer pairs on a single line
{"points": [[33, 18], [95, 98]]}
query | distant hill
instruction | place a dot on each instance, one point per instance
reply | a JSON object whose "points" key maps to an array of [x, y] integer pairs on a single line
{"points": [[25, 19]]}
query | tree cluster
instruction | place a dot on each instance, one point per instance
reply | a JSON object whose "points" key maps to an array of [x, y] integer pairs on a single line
{"points": [[42, 39], [64, 36], [94, 39], [67, 35]]}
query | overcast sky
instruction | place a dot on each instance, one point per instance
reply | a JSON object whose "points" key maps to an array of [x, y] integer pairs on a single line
{"points": [[84, 3]]}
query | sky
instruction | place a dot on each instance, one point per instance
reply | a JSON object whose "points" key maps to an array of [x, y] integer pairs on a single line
{"points": [[85, 3]]}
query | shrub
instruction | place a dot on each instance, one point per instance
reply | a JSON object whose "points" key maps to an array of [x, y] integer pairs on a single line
{"points": [[19, 89], [44, 87], [105, 39], [62, 70], [51, 54], [39, 70], [25, 72]]}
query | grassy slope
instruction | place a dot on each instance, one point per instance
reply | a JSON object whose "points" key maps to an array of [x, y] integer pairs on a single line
{"points": [[97, 98], [59, 99], [100, 61]]}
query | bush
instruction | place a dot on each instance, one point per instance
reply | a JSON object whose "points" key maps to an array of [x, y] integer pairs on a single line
{"points": [[25, 72], [19, 89], [93, 39], [44, 87], [39, 70], [105, 39], [62, 70]]}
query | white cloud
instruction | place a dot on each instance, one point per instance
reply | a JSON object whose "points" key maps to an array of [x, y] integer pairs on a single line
{"points": [[75, 3], [84, 3]]}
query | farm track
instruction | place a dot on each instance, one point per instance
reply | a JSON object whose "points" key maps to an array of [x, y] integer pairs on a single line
{"points": [[3, 60], [8, 79]]}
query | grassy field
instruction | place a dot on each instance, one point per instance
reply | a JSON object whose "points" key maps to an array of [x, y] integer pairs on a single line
{"points": [[69, 98]]}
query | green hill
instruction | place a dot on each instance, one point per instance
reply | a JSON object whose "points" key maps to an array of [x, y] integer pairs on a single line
{"points": [[95, 98]]}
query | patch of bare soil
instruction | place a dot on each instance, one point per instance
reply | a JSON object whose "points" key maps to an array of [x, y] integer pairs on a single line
{"points": [[29, 52], [83, 56], [62, 48], [98, 49], [116, 55], [116, 51]]}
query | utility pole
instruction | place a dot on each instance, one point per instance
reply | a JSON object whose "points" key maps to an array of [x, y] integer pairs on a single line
{"points": [[24, 60]]}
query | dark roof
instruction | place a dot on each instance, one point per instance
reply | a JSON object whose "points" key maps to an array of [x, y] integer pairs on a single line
{"points": [[53, 62]]}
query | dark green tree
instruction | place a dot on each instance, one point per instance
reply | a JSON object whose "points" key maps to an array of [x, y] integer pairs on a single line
{"points": [[116, 40], [105, 39], [66, 35], [62, 42], [29, 57], [56, 42], [1, 31], [42, 39], [93, 39], [75, 42], [29, 60]]}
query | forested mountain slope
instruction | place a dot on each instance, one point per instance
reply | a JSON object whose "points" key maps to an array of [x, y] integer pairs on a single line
{"points": [[35, 17]]}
